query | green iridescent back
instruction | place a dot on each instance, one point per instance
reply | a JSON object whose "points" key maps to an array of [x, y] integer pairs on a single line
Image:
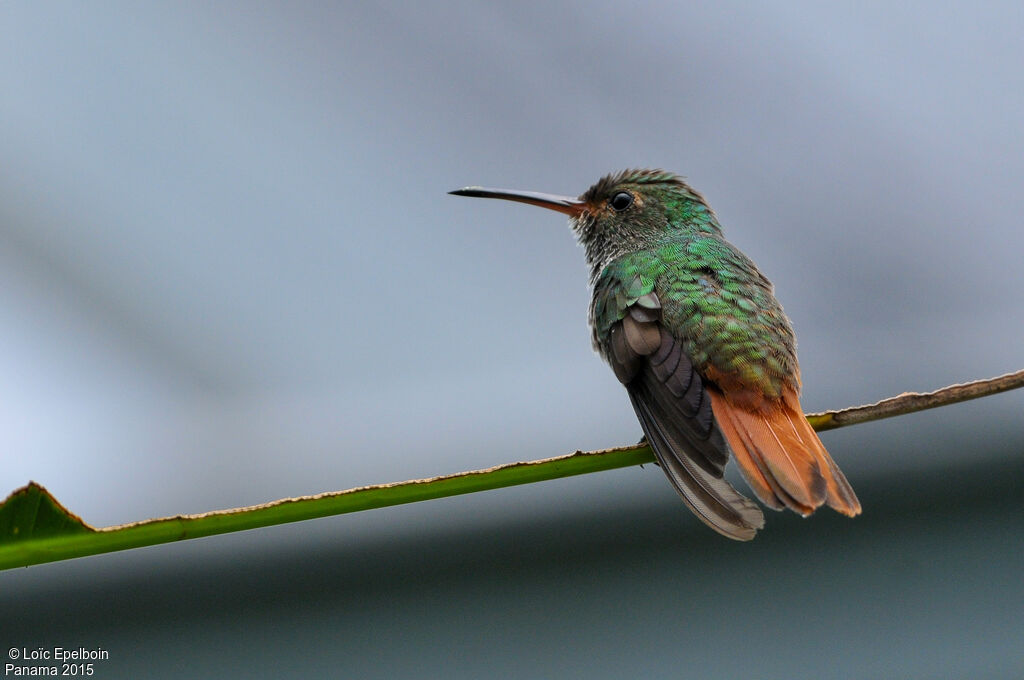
{"points": [[713, 299]]}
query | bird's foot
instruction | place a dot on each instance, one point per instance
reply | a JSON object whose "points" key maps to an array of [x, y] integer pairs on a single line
{"points": [[643, 442]]}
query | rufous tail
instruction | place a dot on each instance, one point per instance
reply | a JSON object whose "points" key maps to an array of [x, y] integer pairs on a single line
{"points": [[781, 457]]}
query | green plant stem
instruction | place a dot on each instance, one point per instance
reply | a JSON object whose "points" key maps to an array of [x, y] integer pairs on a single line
{"points": [[168, 529], [63, 536], [909, 402]]}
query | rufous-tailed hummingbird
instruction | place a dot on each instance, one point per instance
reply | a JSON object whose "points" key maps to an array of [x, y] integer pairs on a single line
{"points": [[694, 332]]}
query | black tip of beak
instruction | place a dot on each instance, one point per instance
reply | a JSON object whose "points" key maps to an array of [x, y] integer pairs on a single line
{"points": [[468, 191]]}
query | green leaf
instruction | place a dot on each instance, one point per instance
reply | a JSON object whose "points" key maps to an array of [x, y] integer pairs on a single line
{"points": [[34, 528], [31, 513]]}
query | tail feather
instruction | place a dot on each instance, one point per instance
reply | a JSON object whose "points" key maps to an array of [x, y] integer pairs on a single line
{"points": [[756, 479], [781, 457], [755, 464], [786, 457], [841, 497]]}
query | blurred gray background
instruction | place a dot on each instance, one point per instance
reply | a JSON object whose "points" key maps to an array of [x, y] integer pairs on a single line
{"points": [[230, 273]]}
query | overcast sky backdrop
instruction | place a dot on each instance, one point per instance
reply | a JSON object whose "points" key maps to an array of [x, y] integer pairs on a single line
{"points": [[230, 272]]}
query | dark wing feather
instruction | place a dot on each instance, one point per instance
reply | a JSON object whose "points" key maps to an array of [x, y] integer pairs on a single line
{"points": [[712, 499], [676, 396], [675, 412]]}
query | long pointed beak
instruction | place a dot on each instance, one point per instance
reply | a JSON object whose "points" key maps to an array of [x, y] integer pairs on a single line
{"points": [[563, 204]]}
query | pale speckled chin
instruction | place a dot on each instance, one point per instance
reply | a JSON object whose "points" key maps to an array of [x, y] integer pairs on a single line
{"points": [[600, 251]]}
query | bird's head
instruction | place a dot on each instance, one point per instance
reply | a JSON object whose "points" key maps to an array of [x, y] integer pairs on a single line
{"points": [[622, 212]]}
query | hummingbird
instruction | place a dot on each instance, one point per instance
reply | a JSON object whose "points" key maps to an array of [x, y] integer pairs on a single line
{"points": [[692, 329]]}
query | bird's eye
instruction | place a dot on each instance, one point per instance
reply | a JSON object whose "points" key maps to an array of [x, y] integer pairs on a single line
{"points": [[621, 201]]}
